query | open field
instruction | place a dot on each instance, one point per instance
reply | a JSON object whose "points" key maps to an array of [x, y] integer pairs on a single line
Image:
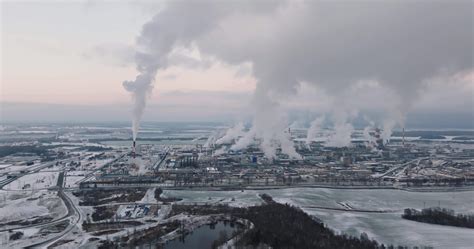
{"points": [[388, 228]]}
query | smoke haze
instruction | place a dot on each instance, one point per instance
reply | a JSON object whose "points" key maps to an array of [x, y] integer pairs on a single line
{"points": [[331, 45]]}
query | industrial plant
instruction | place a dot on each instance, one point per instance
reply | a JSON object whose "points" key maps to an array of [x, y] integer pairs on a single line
{"points": [[111, 185]]}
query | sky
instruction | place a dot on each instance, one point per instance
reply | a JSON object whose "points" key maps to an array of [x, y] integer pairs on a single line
{"points": [[220, 61]]}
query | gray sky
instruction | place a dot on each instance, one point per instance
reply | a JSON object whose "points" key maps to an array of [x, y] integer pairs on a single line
{"points": [[68, 60]]}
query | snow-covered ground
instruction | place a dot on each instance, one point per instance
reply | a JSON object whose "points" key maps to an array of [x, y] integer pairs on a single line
{"points": [[149, 196], [72, 181], [163, 212], [40, 180], [23, 205], [4, 166], [15, 168], [233, 198], [77, 173], [388, 228], [132, 211], [53, 167]]}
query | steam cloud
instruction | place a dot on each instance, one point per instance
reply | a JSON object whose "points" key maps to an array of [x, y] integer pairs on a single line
{"points": [[139, 88], [232, 134], [329, 44], [370, 140], [341, 135], [314, 129]]}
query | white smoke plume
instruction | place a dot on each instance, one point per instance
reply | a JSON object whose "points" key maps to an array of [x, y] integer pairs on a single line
{"points": [[232, 133], [384, 41], [314, 129], [138, 167], [247, 139], [341, 136], [269, 129], [396, 117], [219, 151], [369, 139], [213, 137], [198, 138], [296, 125], [343, 129], [140, 88], [179, 24]]}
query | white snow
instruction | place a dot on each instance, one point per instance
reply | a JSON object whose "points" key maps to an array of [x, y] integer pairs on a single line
{"points": [[149, 196], [26, 205], [39, 180], [388, 228]]}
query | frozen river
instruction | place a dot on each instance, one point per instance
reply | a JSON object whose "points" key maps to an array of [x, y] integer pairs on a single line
{"points": [[388, 228]]}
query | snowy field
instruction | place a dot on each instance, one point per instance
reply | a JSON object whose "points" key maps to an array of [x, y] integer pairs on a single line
{"points": [[233, 198], [6, 168], [388, 228], [149, 196], [23, 205], [41, 180], [72, 178], [72, 181]]}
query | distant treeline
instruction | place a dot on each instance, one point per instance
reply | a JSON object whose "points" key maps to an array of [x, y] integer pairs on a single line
{"points": [[98, 140], [98, 197], [463, 138], [440, 216], [428, 134], [97, 148], [30, 149], [41, 150]]}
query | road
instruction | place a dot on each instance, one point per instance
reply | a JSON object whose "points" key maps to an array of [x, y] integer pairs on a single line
{"points": [[73, 211], [73, 215], [351, 210], [49, 223], [158, 163], [91, 174], [392, 170], [30, 171]]}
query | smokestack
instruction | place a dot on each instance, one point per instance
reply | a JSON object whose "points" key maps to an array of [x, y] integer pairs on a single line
{"points": [[403, 137], [133, 148]]}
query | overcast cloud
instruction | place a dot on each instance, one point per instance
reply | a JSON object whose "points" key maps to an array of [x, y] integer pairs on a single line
{"points": [[394, 57]]}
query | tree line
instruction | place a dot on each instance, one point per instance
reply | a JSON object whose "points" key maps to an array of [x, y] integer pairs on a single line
{"points": [[440, 216]]}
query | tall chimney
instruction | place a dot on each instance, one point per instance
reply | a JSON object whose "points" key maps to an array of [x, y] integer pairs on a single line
{"points": [[133, 148], [403, 137]]}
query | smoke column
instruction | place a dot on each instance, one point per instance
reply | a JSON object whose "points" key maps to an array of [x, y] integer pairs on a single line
{"points": [[314, 129], [387, 42], [269, 128], [140, 88], [369, 139], [232, 133]]}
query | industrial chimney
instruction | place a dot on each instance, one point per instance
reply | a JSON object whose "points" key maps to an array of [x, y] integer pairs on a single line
{"points": [[133, 148], [403, 137]]}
